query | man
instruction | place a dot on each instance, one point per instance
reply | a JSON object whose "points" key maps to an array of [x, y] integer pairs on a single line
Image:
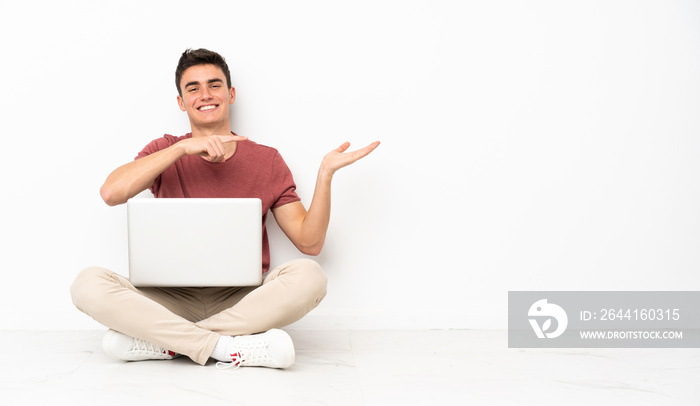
{"points": [[236, 326]]}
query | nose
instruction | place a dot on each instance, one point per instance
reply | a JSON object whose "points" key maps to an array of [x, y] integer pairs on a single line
{"points": [[205, 94]]}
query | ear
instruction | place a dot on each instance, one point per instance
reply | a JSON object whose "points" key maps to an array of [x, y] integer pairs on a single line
{"points": [[181, 103], [233, 95]]}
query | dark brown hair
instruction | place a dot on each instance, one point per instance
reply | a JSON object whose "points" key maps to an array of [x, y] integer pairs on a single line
{"points": [[193, 57]]}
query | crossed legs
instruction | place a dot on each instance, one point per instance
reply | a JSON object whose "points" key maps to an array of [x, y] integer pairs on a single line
{"points": [[190, 321]]}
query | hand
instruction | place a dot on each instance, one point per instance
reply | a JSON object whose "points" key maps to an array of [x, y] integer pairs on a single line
{"points": [[211, 148], [338, 158]]}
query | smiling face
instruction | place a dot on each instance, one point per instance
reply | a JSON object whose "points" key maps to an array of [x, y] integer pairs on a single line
{"points": [[206, 98]]}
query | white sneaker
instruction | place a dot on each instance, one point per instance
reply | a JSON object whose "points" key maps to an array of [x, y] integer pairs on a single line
{"points": [[124, 347], [272, 349]]}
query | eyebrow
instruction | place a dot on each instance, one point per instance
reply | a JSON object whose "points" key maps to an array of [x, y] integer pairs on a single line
{"points": [[210, 81]]}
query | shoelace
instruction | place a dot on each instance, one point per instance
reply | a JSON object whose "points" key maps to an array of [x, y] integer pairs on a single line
{"points": [[251, 353], [237, 360], [143, 346]]}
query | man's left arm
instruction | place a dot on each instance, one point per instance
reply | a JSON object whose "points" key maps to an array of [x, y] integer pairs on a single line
{"points": [[307, 229]]}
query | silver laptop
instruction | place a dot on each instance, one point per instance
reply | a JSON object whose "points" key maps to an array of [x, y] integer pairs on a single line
{"points": [[195, 242]]}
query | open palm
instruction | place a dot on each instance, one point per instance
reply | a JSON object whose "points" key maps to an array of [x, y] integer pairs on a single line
{"points": [[338, 158]]}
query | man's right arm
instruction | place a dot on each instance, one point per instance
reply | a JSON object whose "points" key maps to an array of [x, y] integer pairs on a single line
{"points": [[134, 177]]}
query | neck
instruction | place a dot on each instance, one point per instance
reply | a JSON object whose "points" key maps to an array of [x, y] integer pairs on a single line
{"points": [[205, 131]]}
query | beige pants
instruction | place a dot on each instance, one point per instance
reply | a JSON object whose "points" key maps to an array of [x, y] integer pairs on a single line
{"points": [[190, 321]]}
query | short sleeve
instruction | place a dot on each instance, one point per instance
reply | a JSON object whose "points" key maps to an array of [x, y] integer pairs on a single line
{"points": [[283, 186], [153, 147]]}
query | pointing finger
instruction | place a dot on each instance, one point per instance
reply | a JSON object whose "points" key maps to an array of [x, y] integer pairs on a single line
{"points": [[231, 138]]}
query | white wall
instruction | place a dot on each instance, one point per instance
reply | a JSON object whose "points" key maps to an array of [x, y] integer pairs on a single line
{"points": [[544, 145]]}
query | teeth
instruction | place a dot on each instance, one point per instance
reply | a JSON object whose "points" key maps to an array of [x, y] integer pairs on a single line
{"points": [[207, 107]]}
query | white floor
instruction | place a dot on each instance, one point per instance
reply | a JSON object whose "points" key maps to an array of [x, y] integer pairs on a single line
{"points": [[425, 367]]}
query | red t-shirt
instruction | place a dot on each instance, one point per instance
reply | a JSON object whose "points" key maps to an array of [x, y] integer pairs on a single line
{"points": [[253, 171]]}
